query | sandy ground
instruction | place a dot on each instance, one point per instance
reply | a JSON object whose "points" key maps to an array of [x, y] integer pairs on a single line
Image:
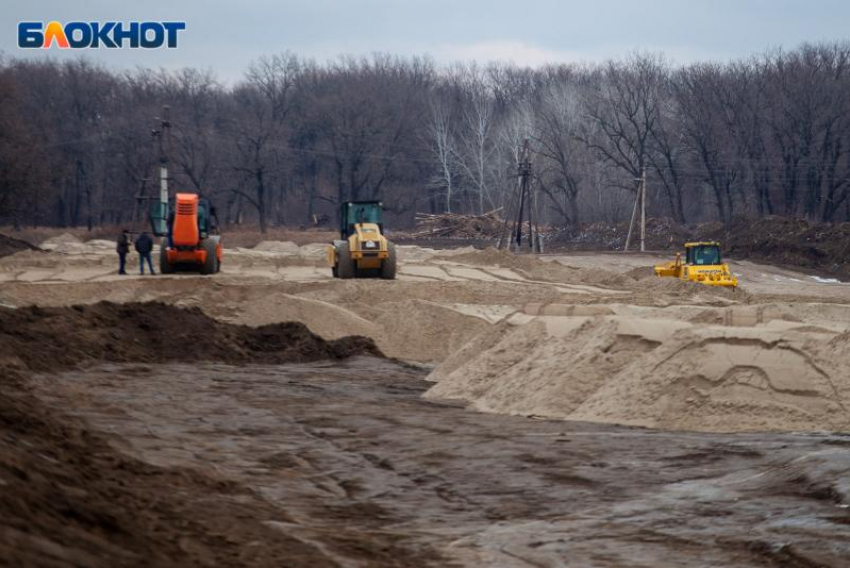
{"points": [[499, 327], [747, 393]]}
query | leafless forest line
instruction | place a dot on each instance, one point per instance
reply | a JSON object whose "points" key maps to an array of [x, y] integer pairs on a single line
{"points": [[769, 135]]}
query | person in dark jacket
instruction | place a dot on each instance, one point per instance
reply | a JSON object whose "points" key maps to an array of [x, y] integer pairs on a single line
{"points": [[144, 246], [123, 247]]}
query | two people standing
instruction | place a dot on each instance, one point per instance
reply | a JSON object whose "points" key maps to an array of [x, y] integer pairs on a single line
{"points": [[143, 245]]}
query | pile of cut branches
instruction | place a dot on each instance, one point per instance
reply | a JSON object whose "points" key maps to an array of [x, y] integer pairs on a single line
{"points": [[456, 226]]}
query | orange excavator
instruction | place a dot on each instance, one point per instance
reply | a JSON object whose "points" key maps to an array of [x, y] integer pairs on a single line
{"points": [[190, 229]]}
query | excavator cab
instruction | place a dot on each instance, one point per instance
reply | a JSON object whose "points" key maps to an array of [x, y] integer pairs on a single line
{"points": [[703, 264], [362, 250]]}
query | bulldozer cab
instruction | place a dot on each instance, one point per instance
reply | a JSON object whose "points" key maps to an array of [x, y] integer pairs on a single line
{"points": [[354, 213], [702, 254]]}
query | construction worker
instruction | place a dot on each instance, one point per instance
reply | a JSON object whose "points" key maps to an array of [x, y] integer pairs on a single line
{"points": [[144, 246], [123, 247]]}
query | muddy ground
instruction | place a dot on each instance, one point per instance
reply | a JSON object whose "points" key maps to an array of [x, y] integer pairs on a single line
{"points": [[134, 433], [352, 449]]}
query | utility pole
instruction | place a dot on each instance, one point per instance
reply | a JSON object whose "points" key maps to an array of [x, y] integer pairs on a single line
{"points": [[643, 209], [640, 201], [164, 143], [158, 207], [523, 172], [522, 208]]}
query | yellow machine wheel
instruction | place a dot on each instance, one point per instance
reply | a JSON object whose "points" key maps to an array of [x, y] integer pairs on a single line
{"points": [[388, 267], [345, 267]]}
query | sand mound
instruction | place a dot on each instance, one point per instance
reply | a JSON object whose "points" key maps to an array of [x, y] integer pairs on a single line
{"points": [[64, 238], [525, 372], [278, 246], [719, 380], [655, 373], [324, 319], [69, 244], [423, 331]]}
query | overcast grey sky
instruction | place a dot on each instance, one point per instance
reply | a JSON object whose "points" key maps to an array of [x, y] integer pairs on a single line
{"points": [[226, 36]]}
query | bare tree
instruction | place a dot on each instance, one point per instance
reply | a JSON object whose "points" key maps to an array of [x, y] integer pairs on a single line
{"points": [[559, 174], [477, 138], [262, 103], [443, 143]]}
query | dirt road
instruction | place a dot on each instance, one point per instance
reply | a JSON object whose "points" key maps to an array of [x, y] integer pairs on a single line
{"points": [[352, 449]]}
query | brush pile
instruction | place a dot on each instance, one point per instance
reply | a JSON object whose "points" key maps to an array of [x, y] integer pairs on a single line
{"points": [[456, 226]]}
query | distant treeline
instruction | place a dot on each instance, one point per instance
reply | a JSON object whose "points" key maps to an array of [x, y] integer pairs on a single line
{"points": [[766, 135]]}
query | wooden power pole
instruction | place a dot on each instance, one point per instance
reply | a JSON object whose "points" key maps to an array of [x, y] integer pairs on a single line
{"points": [[522, 209], [159, 217], [640, 201], [643, 210]]}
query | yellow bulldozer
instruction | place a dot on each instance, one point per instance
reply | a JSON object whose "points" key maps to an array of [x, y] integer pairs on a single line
{"points": [[362, 250], [702, 264]]}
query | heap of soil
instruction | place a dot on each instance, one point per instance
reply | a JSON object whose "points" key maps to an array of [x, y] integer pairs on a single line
{"points": [[10, 245], [656, 373], [64, 238], [523, 369], [67, 498], [44, 339], [424, 331]]}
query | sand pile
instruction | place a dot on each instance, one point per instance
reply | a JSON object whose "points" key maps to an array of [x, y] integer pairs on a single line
{"points": [[728, 380], [64, 243], [64, 238], [546, 367], [324, 319], [287, 247], [655, 373], [69, 244], [416, 330], [424, 331]]}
